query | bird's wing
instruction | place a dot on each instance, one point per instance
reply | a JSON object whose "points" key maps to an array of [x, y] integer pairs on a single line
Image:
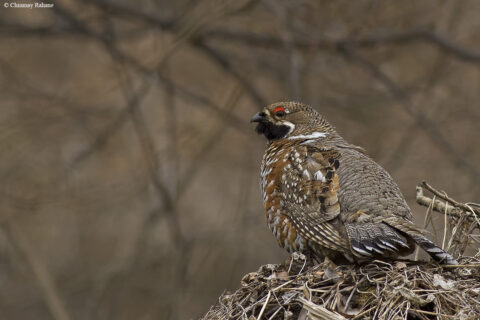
{"points": [[313, 180], [311, 202], [314, 207]]}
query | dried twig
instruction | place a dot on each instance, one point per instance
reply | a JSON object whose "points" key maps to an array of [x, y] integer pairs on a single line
{"points": [[436, 205], [462, 223], [443, 195], [378, 290]]}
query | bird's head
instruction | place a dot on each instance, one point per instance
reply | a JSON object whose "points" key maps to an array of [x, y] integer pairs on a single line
{"points": [[289, 120]]}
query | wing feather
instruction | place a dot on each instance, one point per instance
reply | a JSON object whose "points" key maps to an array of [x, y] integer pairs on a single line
{"points": [[314, 204]]}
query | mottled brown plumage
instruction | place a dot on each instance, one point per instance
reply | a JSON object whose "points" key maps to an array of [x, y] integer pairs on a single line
{"points": [[326, 198]]}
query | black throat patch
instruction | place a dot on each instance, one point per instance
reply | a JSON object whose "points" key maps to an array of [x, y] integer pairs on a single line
{"points": [[272, 131]]}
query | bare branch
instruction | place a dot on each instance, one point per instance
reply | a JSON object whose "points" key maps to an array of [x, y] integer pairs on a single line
{"points": [[443, 195], [436, 205], [227, 66], [102, 138], [422, 120], [210, 143], [50, 293], [442, 42]]}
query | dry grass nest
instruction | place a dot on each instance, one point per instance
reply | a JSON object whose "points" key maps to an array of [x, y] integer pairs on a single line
{"points": [[299, 289], [379, 290]]}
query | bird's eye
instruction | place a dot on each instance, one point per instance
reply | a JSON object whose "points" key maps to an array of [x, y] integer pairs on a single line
{"points": [[279, 111]]}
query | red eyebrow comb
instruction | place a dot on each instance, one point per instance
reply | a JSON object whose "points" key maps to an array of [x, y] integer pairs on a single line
{"points": [[278, 109]]}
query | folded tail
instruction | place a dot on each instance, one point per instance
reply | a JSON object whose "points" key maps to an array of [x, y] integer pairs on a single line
{"points": [[434, 251]]}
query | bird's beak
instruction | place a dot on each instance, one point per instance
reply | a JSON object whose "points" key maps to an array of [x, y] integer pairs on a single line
{"points": [[258, 117]]}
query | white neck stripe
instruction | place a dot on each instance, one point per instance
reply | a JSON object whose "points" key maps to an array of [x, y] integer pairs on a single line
{"points": [[290, 125], [309, 136]]}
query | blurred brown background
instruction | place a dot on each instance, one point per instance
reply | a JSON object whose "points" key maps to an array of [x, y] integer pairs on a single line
{"points": [[129, 170]]}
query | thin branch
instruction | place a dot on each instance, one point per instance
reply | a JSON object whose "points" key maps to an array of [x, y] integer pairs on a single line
{"points": [[443, 195], [227, 66], [102, 138], [209, 144], [125, 59], [439, 206], [45, 280], [427, 83], [440, 41], [197, 40], [422, 120], [202, 100]]}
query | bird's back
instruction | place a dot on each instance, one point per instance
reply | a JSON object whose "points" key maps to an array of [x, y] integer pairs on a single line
{"points": [[366, 186]]}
